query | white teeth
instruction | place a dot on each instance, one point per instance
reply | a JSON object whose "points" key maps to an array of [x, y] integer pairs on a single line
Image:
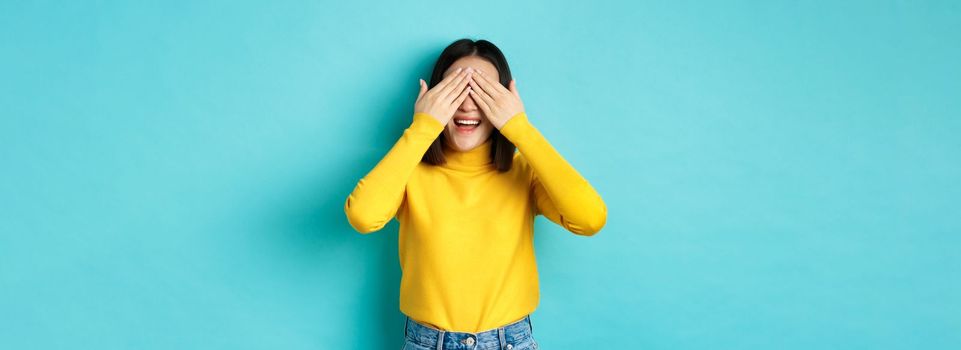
{"points": [[467, 122]]}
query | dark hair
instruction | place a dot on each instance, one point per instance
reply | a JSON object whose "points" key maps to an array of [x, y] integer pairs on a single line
{"points": [[502, 149]]}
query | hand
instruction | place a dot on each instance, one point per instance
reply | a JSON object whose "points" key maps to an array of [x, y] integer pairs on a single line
{"points": [[498, 103], [442, 100]]}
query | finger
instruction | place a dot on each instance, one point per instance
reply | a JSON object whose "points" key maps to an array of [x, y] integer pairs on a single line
{"points": [[493, 88], [482, 93], [514, 88], [453, 88], [463, 89], [480, 102], [492, 84], [423, 89], [483, 85], [443, 82], [463, 96]]}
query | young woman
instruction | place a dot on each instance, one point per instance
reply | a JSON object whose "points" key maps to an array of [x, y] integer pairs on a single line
{"points": [[466, 203]]}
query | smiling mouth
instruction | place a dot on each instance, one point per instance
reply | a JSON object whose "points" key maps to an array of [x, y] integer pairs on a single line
{"points": [[466, 125]]}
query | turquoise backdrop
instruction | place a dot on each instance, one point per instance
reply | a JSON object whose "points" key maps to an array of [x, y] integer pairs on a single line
{"points": [[779, 174]]}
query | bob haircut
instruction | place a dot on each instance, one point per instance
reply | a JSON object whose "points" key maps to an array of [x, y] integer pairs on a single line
{"points": [[502, 149]]}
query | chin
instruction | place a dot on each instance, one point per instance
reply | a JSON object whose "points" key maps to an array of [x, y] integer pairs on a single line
{"points": [[467, 142]]}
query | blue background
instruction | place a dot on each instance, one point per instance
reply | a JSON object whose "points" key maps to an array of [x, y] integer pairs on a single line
{"points": [[779, 175]]}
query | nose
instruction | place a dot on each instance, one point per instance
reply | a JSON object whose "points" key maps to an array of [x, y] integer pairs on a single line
{"points": [[468, 105]]}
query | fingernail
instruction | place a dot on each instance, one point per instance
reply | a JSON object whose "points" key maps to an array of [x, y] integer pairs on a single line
{"points": [[458, 69]]}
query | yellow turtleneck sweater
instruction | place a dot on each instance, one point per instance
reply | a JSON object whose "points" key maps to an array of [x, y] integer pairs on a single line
{"points": [[466, 230]]}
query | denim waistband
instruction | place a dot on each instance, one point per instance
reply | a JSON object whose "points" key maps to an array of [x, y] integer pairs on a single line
{"points": [[505, 337]]}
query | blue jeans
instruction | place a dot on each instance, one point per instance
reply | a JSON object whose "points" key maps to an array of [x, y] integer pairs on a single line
{"points": [[514, 336]]}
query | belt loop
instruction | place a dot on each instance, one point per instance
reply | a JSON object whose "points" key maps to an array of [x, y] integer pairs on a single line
{"points": [[406, 324], [500, 335], [440, 340], [530, 324]]}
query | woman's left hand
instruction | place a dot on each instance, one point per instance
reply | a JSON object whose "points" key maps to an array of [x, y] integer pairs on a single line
{"points": [[498, 103]]}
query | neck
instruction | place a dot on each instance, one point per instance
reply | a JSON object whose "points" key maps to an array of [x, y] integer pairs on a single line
{"points": [[476, 157]]}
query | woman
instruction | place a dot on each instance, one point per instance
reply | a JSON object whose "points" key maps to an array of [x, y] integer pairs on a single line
{"points": [[466, 204]]}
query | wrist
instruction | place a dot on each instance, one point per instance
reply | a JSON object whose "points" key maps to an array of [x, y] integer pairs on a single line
{"points": [[507, 120], [514, 126], [426, 122]]}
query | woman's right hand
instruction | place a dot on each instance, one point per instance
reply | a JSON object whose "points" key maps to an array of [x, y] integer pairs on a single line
{"points": [[442, 100]]}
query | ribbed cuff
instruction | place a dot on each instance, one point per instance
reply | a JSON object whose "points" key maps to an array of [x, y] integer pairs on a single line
{"points": [[426, 124], [516, 127]]}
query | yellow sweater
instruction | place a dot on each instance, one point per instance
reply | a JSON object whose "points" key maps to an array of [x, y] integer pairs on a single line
{"points": [[466, 231]]}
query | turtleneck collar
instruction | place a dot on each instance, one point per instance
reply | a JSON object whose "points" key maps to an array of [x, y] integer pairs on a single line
{"points": [[478, 157]]}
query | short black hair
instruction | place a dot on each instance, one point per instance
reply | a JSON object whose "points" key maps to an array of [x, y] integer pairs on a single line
{"points": [[502, 149]]}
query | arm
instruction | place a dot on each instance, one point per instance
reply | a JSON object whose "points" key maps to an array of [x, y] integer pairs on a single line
{"points": [[561, 194], [378, 195]]}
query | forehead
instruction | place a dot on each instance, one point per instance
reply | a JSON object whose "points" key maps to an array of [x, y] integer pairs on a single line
{"points": [[475, 62]]}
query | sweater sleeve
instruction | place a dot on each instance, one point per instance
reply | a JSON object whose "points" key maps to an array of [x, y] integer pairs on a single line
{"points": [[560, 193], [378, 195]]}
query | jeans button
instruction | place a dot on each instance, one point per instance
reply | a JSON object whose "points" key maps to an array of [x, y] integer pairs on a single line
{"points": [[510, 346], [469, 341]]}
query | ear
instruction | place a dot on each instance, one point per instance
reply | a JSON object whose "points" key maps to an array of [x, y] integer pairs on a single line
{"points": [[513, 88]]}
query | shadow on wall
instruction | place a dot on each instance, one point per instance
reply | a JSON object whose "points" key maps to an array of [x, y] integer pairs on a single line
{"points": [[316, 228]]}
